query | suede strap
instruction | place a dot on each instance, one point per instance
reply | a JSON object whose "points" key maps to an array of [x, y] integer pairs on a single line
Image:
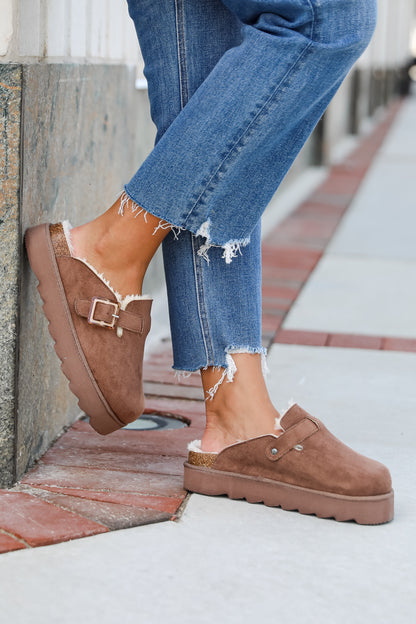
{"points": [[104, 312], [290, 438]]}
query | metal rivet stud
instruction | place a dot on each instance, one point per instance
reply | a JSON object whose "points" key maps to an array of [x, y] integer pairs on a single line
{"points": [[274, 451], [298, 447]]}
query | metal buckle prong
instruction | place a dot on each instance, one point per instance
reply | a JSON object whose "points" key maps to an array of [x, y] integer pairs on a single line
{"points": [[115, 315]]}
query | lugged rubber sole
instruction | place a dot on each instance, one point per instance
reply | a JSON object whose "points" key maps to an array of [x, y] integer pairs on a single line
{"points": [[74, 364], [361, 509]]}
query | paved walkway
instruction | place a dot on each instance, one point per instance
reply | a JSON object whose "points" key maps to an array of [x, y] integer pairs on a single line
{"points": [[339, 321]]}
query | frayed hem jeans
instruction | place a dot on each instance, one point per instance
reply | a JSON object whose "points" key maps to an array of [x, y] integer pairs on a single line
{"points": [[235, 87]]}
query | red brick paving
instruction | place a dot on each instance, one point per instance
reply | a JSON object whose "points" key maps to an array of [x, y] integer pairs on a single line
{"points": [[8, 543], [289, 257], [159, 503], [120, 460], [177, 391], [39, 523], [136, 442], [105, 480], [182, 408], [351, 341], [88, 484], [271, 323], [399, 344], [156, 374], [110, 515], [298, 337]]}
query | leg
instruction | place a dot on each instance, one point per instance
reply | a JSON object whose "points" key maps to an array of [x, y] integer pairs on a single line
{"points": [[195, 288], [292, 59], [210, 306], [215, 313]]}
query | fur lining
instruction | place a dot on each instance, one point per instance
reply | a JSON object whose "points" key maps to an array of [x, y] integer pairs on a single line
{"points": [[277, 425], [123, 301], [195, 446]]}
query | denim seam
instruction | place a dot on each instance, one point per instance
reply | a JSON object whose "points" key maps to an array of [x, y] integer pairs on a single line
{"points": [[246, 133], [202, 315], [181, 49], [312, 8]]}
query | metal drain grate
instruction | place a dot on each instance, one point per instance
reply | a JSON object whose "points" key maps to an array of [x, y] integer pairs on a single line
{"points": [[155, 421], [151, 422]]}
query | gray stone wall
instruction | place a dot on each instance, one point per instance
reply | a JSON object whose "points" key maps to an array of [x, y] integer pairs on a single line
{"points": [[10, 99], [84, 131]]}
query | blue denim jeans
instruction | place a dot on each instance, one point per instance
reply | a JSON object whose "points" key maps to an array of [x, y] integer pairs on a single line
{"points": [[235, 88]]}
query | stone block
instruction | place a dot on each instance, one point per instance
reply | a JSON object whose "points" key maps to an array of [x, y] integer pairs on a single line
{"points": [[110, 515], [110, 480], [80, 132], [126, 460], [39, 523], [167, 504], [10, 102], [8, 543]]}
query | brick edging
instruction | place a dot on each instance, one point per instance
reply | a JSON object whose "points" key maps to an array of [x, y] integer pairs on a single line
{"points": [[349, 341], [293, 249]]}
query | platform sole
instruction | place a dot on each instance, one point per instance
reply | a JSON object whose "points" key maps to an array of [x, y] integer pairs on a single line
{"points": [[74, 364], [361, 509]]}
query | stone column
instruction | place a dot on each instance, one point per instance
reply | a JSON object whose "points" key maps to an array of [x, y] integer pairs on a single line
{"points": [[10, 259], [72, 134]]}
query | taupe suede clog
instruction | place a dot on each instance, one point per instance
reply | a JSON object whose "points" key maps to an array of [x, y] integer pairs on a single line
{"points": [[306, 468], [99, 336]]}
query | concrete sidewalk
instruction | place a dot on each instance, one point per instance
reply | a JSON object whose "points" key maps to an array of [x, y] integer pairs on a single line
{"points": [[229, 561]]}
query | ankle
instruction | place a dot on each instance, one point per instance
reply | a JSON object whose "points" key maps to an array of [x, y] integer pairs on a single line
{"points": [[224, 428], [97, 244], [85, 240], [215, 439]]}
